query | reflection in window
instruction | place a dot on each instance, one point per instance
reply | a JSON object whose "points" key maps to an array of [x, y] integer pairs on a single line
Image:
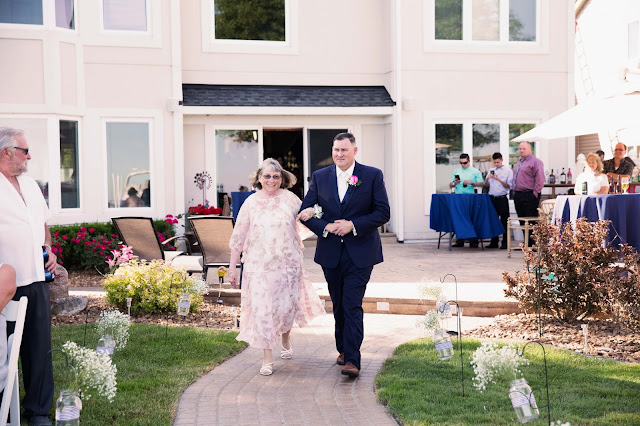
{"points": [[21, 12], [64, 14], [486, 20], [249, 20], [448, 23], [516, 130], [522, 20], [128, 165], [320, 145], [486, 141], [125, 15], [448, 150], [70, 198], [237, 157]]}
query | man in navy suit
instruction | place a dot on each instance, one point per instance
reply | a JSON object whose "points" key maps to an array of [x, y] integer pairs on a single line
{"points": [[354, 204]]}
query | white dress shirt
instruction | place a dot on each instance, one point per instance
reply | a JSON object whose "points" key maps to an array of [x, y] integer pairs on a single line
{"points": [[505, 174], [22, 228], [343, 180]]}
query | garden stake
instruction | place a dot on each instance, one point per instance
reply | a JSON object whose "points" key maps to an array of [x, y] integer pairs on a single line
{"points": [[546, 376], [585, 331], [454, 278], [458, 312], [86, 322], [66, 361], [220, 302]]}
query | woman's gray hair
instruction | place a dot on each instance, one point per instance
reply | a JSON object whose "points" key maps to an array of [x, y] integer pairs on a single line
{"points": [[287, 181], [7, 136]]}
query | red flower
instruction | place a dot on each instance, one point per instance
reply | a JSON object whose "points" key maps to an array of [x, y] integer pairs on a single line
{"points": [[91, 230], [82, 228], [64, 237]]}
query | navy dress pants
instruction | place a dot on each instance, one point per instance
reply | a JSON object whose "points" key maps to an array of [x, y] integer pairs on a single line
{"points": [[347, 284]]}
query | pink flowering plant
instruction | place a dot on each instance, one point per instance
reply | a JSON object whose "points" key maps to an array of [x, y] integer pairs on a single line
{"points": [[124, 255], [354, 181]]}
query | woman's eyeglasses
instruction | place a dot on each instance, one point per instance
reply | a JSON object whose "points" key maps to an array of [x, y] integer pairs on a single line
{"points": [[275, 177]]}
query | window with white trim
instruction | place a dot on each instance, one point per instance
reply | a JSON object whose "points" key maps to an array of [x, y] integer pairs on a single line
{"points": [[251, 20], [125, 15], [69, 163], [65, 14], [27, 12], [237, 156], [128, 164], [500, 21]]}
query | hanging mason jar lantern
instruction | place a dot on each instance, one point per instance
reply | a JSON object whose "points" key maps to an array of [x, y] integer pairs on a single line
{"points": [[106, 345], [523, 401], [444, 347], [68, 408], [184, 304]]}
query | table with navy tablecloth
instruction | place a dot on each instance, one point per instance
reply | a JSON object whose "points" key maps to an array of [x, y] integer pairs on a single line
{"points": [[621, 209], [468, 216], [237, 199]]}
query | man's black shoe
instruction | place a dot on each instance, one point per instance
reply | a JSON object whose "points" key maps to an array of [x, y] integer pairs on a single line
{"points": [[492, 246], [459, 244], [503, 247], [473, 245]]}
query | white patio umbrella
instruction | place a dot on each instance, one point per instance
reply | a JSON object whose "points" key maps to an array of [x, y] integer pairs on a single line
{"points": [[593, 116]]}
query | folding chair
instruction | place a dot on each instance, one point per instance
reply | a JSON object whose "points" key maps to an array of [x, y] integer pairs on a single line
{"points": [[213, 234], [14, 311], [141, 235]]}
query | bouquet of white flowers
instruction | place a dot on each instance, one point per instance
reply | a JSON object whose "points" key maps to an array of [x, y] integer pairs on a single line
{"points": [[95, 374], [491, 362], [116, 324]]}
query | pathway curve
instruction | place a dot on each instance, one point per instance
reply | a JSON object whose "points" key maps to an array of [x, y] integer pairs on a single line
{"points": [[307, 389]]}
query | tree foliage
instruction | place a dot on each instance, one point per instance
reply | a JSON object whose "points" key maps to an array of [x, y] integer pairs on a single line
{"points": [[250, 20]]}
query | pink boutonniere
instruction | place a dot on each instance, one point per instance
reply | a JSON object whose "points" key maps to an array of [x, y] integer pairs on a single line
{"points": [[354, 181]]}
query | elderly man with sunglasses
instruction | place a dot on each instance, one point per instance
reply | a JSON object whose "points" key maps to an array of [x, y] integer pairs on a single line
{"points": [[465, 179], [23, 234]]}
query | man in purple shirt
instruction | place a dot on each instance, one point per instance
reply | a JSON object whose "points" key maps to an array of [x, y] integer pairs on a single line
{"points": [[528, 180]]}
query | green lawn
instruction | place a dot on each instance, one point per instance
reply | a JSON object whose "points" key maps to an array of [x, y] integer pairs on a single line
{"points": [[152, 373], [421, 390]]}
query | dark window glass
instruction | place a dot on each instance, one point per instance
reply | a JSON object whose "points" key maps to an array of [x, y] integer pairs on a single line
{"points": [[70, 197], [250, 20], [448, 150], [320, 146], [21, 12], [522, 20], [448, 19]]}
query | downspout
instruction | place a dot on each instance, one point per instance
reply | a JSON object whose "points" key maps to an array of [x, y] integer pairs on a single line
{"points": [[398, 187], [174, 106]]}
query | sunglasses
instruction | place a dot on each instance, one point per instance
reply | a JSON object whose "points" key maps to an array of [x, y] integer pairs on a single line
{"points": [[275, 177], [25, 150], [464, 162]]}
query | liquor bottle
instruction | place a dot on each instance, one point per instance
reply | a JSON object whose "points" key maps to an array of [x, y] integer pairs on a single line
{"points": [[569, 176], [552, 177], [635, 174], [563, 177], [48, 275]]}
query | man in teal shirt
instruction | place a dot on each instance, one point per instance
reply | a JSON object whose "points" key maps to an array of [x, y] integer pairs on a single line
{"points": [[465, 179]]}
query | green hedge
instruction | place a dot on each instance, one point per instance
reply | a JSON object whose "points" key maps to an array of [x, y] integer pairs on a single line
{"points": [[88, 245]]}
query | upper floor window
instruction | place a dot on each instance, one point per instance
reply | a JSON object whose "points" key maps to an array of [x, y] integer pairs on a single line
{"points": [[486, 20], [255, 20], [125, 15], [65, 15], [21, 12]]}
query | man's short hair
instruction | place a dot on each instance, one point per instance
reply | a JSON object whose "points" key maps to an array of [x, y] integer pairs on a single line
{"points": [[463, 155], [7, 136], [620, 143], [496, 156], [345, 135], [600, 152]]}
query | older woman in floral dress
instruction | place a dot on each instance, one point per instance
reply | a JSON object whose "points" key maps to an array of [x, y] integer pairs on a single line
{"points": [[275, 290]]}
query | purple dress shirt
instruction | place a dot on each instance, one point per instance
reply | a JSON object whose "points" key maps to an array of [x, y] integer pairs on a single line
{"points": [[528, 175]]}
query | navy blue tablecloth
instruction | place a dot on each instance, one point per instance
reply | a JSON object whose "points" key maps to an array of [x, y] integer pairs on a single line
{"points": [[237, 199], [621, 209], [468, 215]]}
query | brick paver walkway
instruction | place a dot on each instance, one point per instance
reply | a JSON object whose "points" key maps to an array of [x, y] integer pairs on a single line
{"points": [[307, 389]]}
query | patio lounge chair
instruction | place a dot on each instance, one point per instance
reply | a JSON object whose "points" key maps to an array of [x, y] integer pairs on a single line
{"points": [[141, 235], [14, 311], [213, 234]]}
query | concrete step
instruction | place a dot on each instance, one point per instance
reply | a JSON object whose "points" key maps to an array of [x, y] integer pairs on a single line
{"points": [[389, 305]]}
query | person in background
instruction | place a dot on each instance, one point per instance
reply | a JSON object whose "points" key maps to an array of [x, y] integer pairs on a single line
{"points": [[597, 182], [620, 164], [499, 180], [465, 179], [528, 181], [601, 155], [23, 234]]}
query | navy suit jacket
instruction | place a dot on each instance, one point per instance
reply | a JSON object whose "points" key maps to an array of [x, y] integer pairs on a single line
{"points": [[366, 205]]}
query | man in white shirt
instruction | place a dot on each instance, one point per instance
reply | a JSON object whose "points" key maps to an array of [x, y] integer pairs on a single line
{"points": [[499, 180], [23, 234]]}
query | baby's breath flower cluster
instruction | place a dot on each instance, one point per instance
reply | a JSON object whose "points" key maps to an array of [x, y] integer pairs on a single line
{"points": [[196, 287], [116, 324], [430, 322], [95, 373], [491, 362], [430, 289]]}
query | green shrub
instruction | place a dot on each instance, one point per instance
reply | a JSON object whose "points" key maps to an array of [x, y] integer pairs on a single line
{"points": [[591, 276], [154, 287], [89, 245]]}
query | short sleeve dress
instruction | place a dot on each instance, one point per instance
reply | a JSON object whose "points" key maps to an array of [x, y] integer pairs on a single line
{"points": [[275, 291]]}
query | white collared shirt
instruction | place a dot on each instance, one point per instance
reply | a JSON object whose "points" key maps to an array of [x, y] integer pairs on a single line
{"points": [[22, 228], [343, 180], [505, 174]]}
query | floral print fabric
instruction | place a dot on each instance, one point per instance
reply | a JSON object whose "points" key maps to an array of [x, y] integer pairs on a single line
{"points": [[275, 291]]}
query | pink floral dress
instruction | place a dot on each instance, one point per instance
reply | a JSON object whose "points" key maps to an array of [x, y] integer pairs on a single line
{"points": [[275, 290]]}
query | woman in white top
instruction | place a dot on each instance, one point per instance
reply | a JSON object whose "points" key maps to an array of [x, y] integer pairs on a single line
{"points": [[597, 182]]}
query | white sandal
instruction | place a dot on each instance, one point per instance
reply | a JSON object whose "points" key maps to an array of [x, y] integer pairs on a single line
{"points": [[267, 369], [286, 353]]}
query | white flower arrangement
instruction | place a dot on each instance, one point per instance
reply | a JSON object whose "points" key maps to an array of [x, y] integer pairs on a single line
{"points": [[430, 322], [94, 372], [116, 324], [317, 211], [491, 362], [197, 286], [430, 289]]}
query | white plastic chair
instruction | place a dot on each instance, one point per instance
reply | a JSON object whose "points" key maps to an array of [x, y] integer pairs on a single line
{"points": [[14, 311]]}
